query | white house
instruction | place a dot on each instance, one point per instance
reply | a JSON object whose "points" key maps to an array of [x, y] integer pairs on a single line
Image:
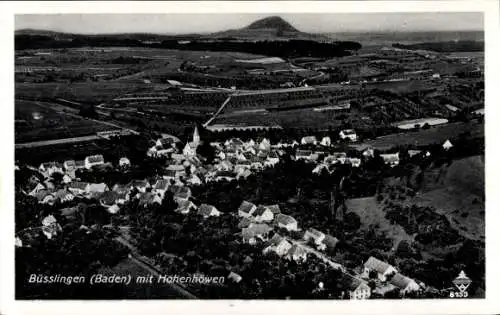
{"points": [[208, 211], [93, 160], [50, 227], [263, 214], [382, 268], [348, 134], [392, 159], [78, 188], [67, 179], [326, 141], [161, 187], [286, 221], [93, 188], [404, 283], [124, 162], [246, 209], [189, 149], [265, 145], [35, 188], [63, 196], [303, 155], [309, 140], [314, 235], [356, 288], [69, 165], [254, 232], [185, 206], [49, 168], [278, 245], [447, 145], [297, 253]]}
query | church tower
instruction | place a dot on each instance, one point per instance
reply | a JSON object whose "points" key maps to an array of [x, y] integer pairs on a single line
{"points": [[196, 137]]}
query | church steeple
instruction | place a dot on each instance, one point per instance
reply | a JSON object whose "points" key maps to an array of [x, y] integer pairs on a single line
{"points": [[196, 136]]}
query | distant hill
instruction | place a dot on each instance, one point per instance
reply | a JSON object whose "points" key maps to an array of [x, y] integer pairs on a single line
{"points": [[269, 28], [273, 23]]}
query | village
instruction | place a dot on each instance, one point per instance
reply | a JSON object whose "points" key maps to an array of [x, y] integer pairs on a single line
{"points": [[260, 225]]}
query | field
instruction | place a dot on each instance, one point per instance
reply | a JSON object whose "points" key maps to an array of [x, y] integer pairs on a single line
{"points": [[134, 65], [458, 191], [372, 214], [36, 121], [433, 135]]}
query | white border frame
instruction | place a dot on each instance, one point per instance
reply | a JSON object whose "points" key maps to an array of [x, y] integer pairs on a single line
{"points": [[490, 305]]}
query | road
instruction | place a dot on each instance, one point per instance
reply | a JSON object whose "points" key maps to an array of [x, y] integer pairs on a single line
{"points": [[318, 254], [137, 259], [56, 141]]}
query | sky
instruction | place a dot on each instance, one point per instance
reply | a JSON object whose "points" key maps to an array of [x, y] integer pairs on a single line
{"points": [[205, 23]]}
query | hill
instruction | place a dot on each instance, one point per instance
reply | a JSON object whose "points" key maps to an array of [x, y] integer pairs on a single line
{"points": [[274, 23], [269, 28]]}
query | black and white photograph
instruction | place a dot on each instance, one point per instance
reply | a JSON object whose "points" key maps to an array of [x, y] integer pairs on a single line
{"points": [[249, 156]]}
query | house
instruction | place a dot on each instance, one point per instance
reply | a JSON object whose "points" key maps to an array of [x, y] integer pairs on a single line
{"points": [[243, 174], [356, 288], [254, 232], [263, 214], [165, 143], [45, 197], [149, 198], [355, 162], [140, 184], [93, 160], [245, 222], [185, 206], [177, 157], [178, 170], [224, 175], [286, 221], [79, 164], [111, 198], [189, 149], [382, 268], [63, 196], [272, 159], [392, 159], [309, 140], [319, 168], [279, 245], [303, 155], [349, 134], [315, 236], [49, 168], [181, 193], [412, 153], [275, 209], [368, 153], [96, 188], [404, 283], [78, 188], [234, 277], [326, 141], [50, 227], [329, 243], [208, 211], [34, 188], [67, 179], [447, 145], [194, 180], [265, 145], [121, 189], [124, 162], [297, 253], [69, 165], [246, 209], [49, 183], [161, 187]]}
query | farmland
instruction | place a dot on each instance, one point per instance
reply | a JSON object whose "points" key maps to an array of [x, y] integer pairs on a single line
{"points": [[433, 135], [36, 121]]}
